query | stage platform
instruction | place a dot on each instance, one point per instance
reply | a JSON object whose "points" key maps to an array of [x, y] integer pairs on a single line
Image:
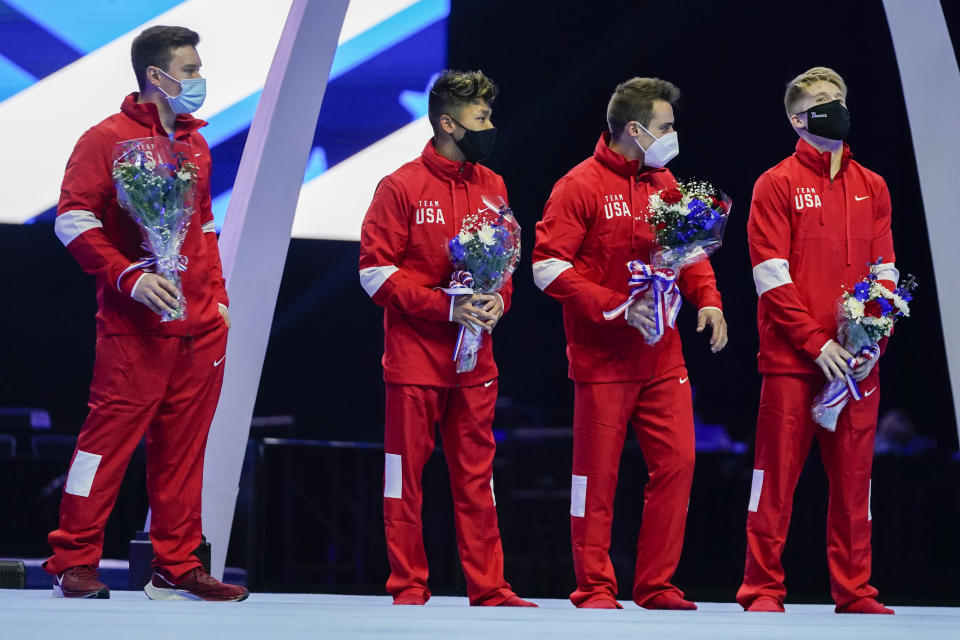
{"points": [[33, 614]]}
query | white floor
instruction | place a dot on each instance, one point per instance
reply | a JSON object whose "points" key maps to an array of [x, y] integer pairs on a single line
{"points": [[34, 615]]}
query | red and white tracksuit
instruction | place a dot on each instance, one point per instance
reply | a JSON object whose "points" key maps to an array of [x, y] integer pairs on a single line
{"points": [[403, 260], [153, 379], [593, 224], [810, 237]]}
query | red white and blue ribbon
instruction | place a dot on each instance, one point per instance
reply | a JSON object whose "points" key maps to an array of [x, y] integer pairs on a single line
{"points": [[461, 282], [164, 265], [836, 394], [666, 296], [850, 389], [468, 343]]}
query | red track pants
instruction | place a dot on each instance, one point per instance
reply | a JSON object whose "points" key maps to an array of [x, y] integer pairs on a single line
{"points": [[167, 389], [465, 417], [661, 413], [785, 432]]}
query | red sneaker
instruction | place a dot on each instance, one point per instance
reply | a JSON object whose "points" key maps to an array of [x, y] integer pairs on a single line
{"points": [[670, 601], [766, 604], [864, 605], [410, 598], [517, 601], [80, 582], [601, 603], [196, 585]]}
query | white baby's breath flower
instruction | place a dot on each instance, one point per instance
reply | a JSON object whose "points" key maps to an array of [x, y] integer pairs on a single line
{"points": [[184, 175]]}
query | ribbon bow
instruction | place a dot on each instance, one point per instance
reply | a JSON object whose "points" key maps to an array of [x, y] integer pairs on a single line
{"points": [[468, 343], [666, 295], [850, 388], [461, 282], [168, 264]]}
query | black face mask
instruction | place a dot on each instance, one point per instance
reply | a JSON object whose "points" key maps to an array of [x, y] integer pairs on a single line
{"points": [[830, 120], [476, 145]]}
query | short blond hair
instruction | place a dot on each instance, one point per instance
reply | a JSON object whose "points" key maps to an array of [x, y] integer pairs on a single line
{"points": [[797, 88]]}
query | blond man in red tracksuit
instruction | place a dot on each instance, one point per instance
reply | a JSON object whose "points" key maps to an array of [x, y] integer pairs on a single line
{"points": [[593, 224], [817, 220], [403, 261], [156, 379]]}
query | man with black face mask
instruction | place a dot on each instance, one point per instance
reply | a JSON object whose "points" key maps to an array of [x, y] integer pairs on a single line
{"points": [[415, 211], [819, 222]]}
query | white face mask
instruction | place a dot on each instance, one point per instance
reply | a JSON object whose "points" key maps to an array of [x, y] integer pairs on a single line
{"points": [[663, 150]]}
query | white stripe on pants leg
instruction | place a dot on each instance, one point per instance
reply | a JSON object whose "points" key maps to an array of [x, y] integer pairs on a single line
{"points": [[756, 486], [393, 476], [578, 496], [82, 472]]}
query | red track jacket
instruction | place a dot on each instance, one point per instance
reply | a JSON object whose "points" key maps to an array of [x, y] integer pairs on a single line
{"points": [[593, 224], [103, 238], [810, 237], [415, 211]]}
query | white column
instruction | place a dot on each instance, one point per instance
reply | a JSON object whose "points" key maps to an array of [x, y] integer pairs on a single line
{"points": [[931, 90], [256, 234]]}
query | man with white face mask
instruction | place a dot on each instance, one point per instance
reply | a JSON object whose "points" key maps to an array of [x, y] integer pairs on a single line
{"points": [[593, 224], [151, 378]]}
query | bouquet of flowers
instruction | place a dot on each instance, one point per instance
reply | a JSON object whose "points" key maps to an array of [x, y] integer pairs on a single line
{"points": [[156, 184], [687, 222], [484, 254], [866, 314]]}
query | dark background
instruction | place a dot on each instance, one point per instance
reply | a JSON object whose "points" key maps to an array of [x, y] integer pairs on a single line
{"points": [[556, 65]]}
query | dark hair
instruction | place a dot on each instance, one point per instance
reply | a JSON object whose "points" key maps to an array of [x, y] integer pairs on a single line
{"points": [[633, 100], [154, 48], [456, 89]]}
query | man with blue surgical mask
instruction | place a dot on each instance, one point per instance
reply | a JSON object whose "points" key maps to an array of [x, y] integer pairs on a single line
{"points": [[177, 90], [153, 379]]}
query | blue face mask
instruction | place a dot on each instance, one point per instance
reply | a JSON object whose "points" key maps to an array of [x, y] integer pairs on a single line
{"points": [[193, 91]]}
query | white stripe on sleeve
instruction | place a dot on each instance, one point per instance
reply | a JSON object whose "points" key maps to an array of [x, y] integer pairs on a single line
{"points": [[210, 227], [771, 274], [71, 224], [546, 271], [372, 278]]}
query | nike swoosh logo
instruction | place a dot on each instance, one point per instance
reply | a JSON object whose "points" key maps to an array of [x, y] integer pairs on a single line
{"points": [[859, 198], [487, 384], [217, 363], [683, 380], [867, 393]]}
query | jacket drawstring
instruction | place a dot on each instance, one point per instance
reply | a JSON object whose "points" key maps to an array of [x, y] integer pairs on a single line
{"points": [[633, 217], [823, 189], [453, 200], [846, 220]]}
